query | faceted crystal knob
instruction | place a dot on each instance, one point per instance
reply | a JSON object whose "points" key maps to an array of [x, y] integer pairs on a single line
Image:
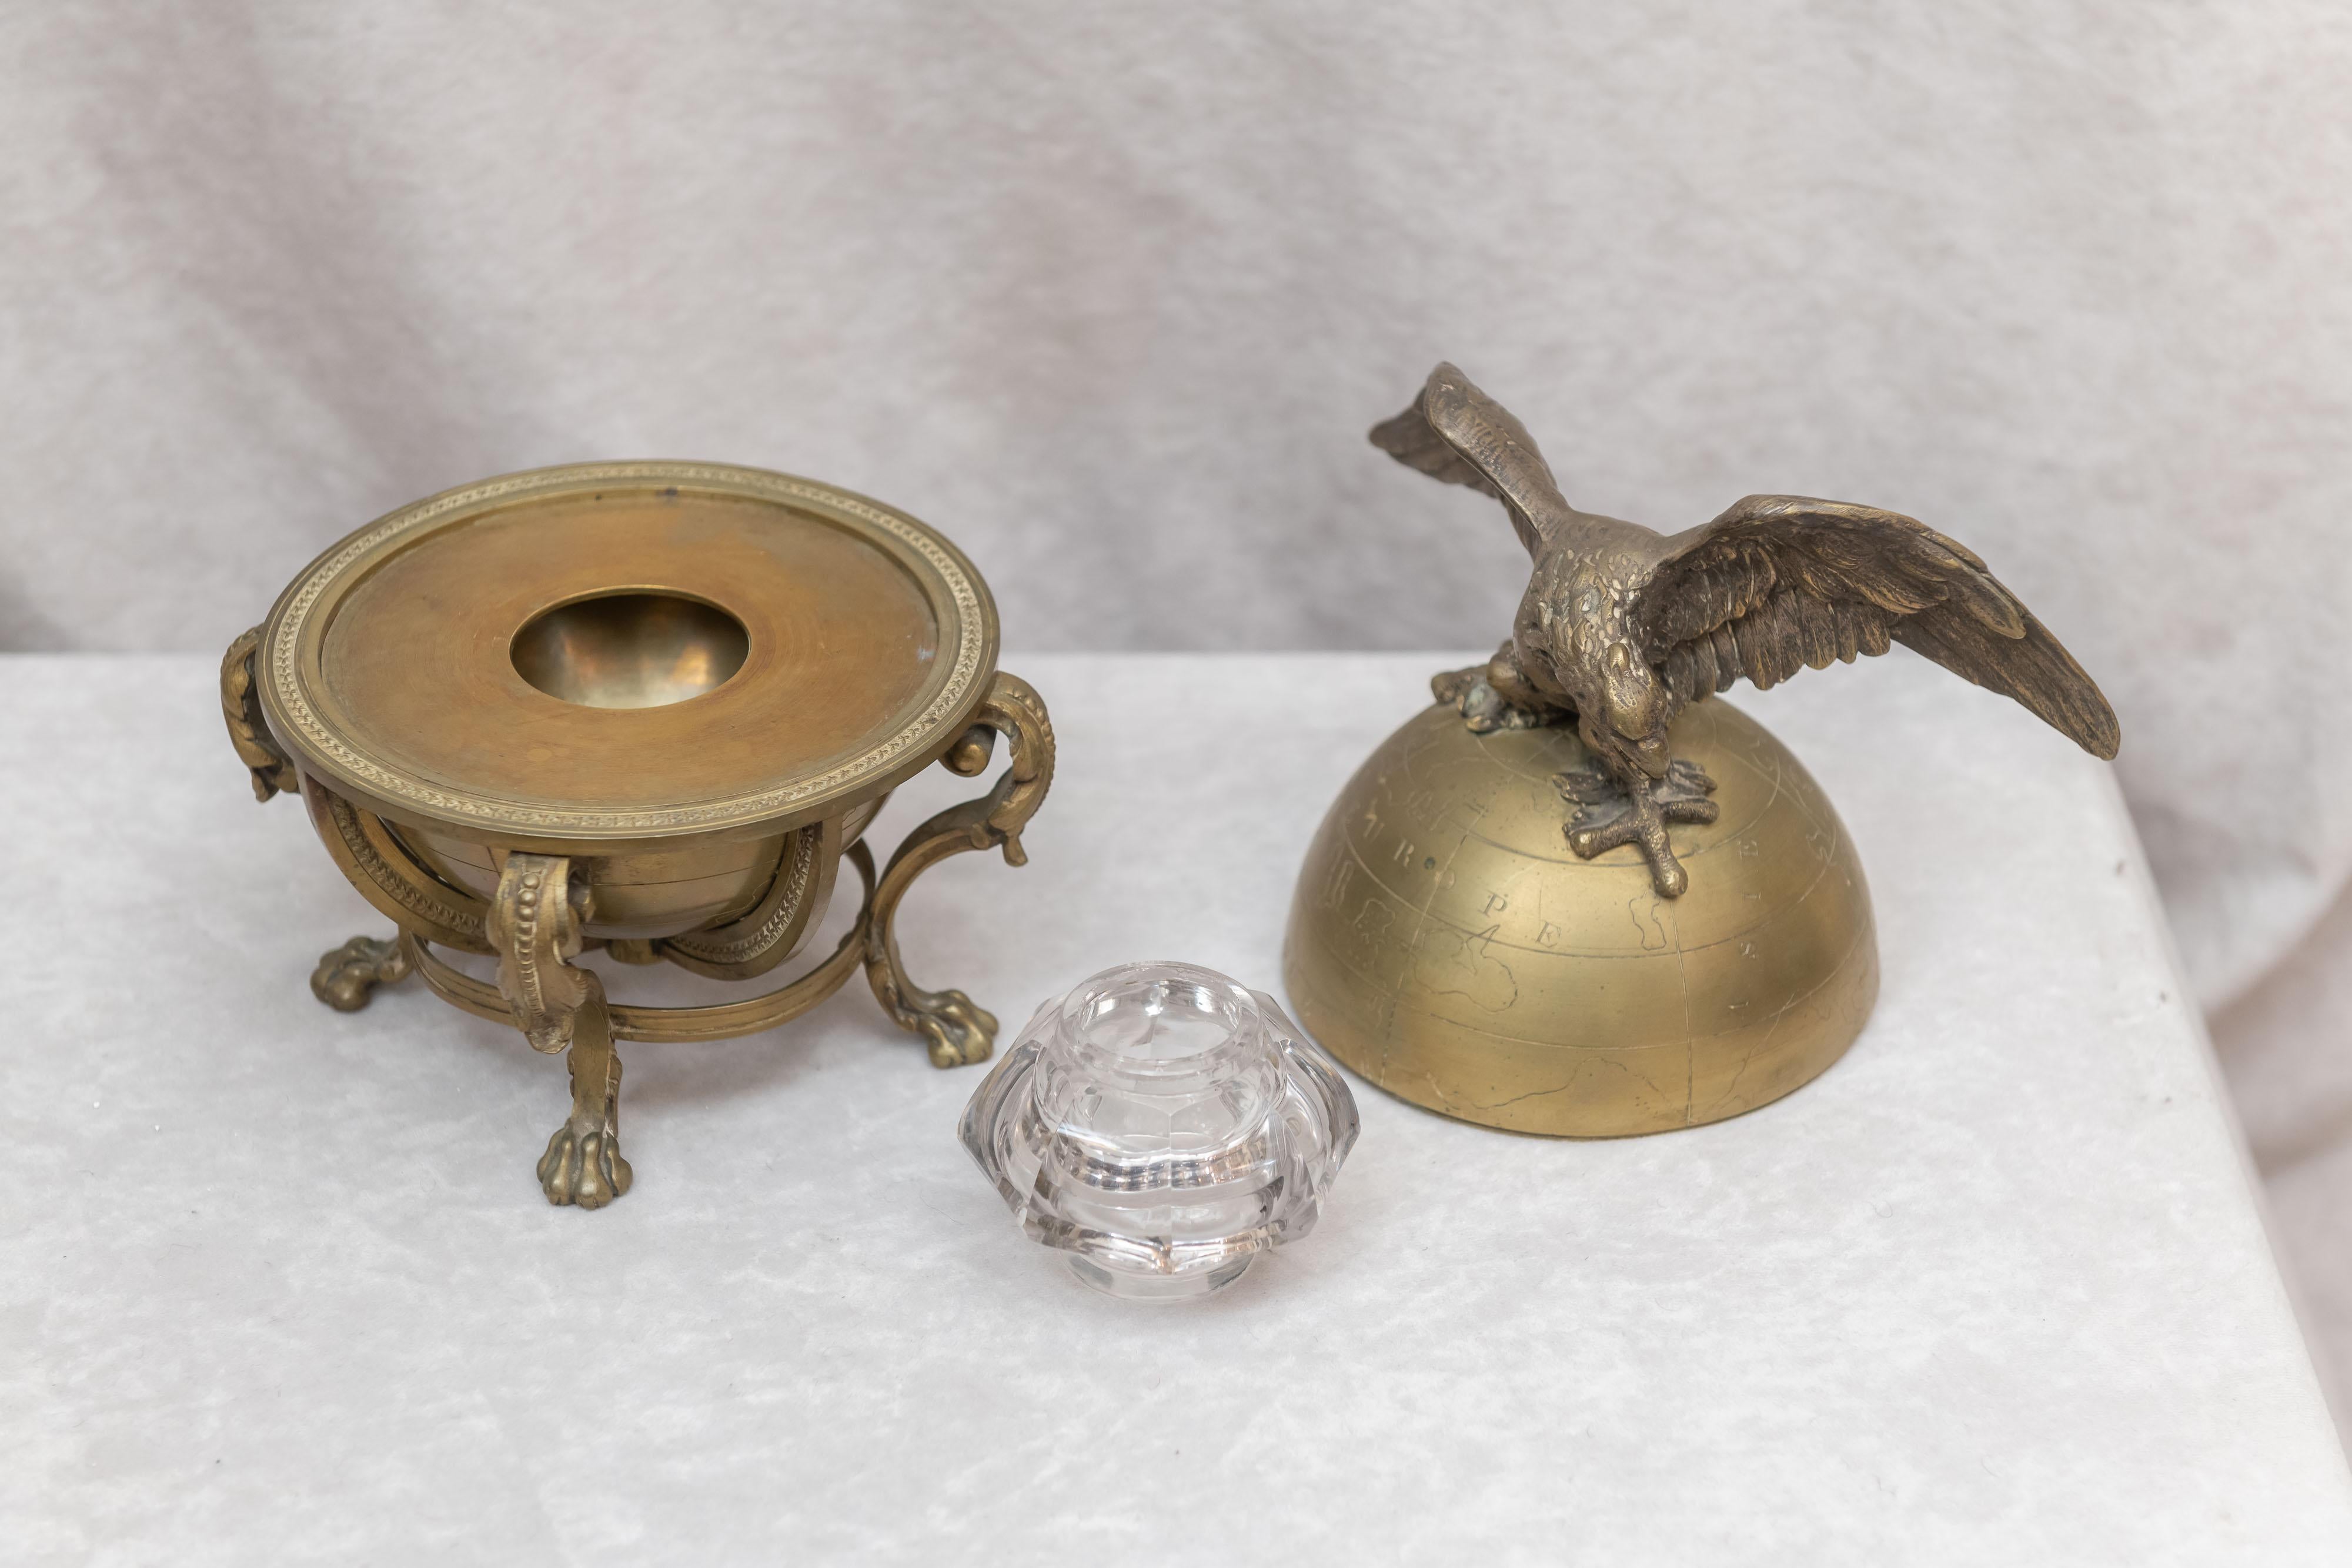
{"points": [[1163, 1124]]}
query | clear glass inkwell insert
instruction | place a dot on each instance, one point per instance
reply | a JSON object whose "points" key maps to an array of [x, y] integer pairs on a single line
{"points": [[1164, 1125]]}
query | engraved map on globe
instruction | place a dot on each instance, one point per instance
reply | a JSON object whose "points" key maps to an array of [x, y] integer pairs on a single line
{"points": [[1447, 944]]}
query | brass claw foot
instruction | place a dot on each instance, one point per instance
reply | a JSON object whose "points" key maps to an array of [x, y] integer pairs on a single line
{"points": [[957, 1031], [347, 977], [534, 925], [584, 1168], [1608, 815], [583, 1164]]}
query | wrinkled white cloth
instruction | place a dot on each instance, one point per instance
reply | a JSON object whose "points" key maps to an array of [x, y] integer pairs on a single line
{"points": [[1110, 293], [279, 1285]]}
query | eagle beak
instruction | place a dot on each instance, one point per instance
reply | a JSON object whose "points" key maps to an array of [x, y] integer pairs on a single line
{"points": [[1654, 754]]}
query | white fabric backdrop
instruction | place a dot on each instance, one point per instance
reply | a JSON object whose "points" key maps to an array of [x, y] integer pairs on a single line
{"points": [[1109, 293]]}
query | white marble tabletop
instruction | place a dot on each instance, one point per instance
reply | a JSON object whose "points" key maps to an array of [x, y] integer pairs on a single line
{"points": [[277, 1284]]}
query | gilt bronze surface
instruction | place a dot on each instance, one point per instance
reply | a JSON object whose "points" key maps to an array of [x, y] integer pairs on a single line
{"points": [[1448, 945], [646, 707], [1578, 896], [1621, 627]]}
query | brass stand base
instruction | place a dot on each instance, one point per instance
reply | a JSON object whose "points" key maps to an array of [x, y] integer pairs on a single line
{"points": [[646, 707], [535, 921]]}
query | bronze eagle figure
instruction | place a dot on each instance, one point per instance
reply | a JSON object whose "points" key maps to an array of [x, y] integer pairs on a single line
{"points": [[1621, 626]]}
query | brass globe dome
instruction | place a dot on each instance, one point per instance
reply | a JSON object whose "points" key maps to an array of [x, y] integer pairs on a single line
{"points": [[1446, 943]]}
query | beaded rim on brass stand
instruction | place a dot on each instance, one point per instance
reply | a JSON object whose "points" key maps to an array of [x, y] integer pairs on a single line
{"points": [[642, 708]]}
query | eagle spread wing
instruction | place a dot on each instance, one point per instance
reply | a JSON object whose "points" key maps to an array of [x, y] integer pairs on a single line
{"points": [[1455, 433], [1781, 582]]}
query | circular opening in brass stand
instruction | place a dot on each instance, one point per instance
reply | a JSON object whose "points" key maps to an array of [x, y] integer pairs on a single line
{"points": [[637, 649]]}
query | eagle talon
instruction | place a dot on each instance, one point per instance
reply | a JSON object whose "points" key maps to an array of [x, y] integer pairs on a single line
{"points": [[1608, 815], [1472, 696]]}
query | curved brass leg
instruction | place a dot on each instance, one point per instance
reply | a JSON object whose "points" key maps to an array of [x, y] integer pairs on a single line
{"points": [[956, 1030], [347, 977], [583, 1164], [535, 922]]}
